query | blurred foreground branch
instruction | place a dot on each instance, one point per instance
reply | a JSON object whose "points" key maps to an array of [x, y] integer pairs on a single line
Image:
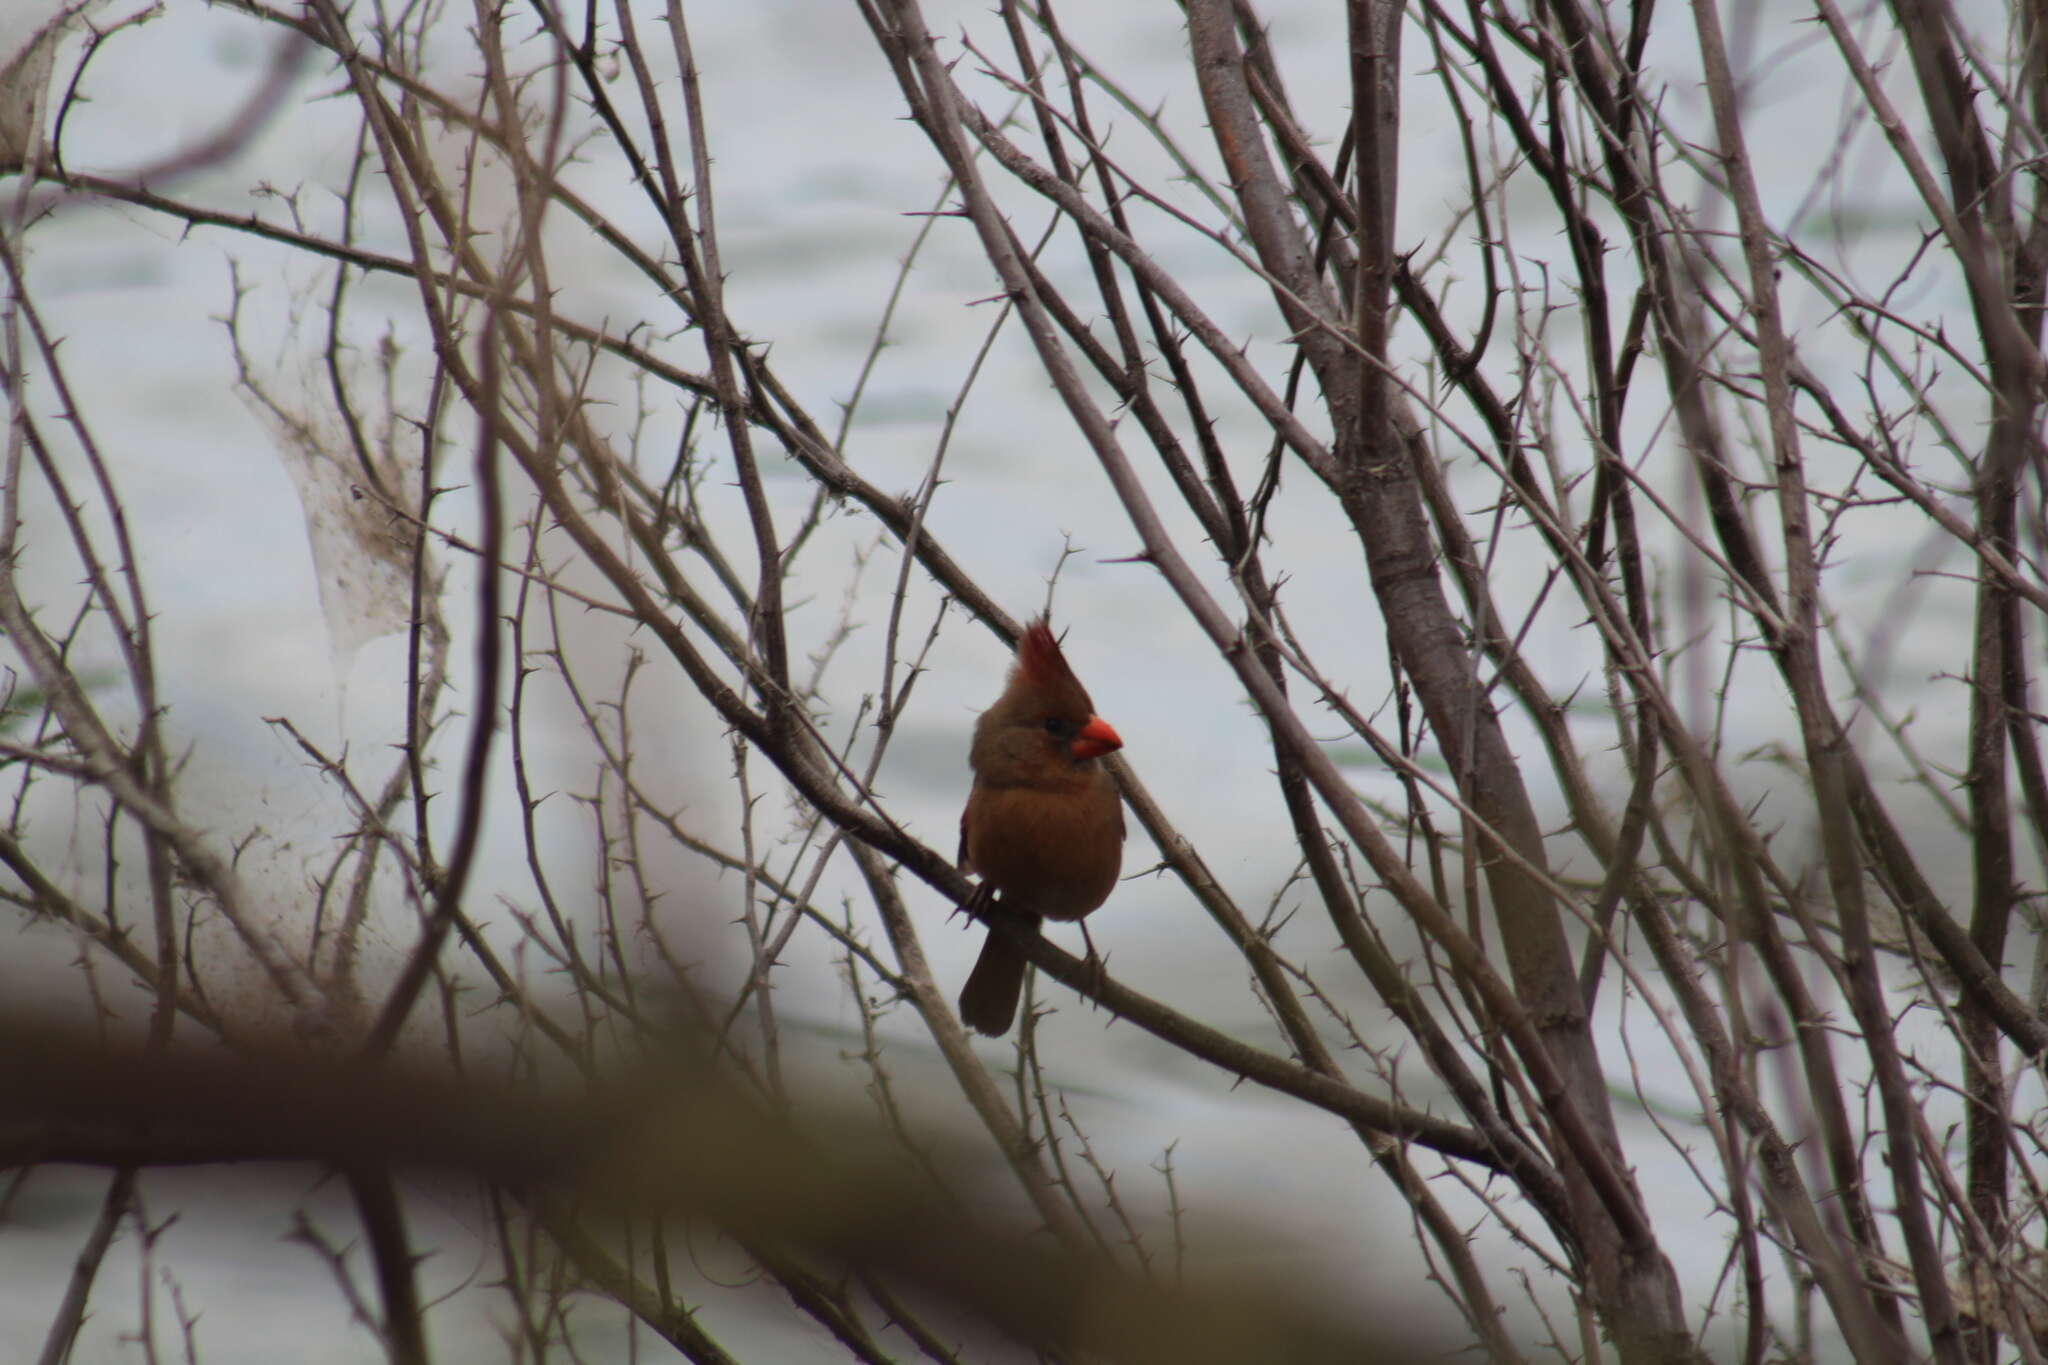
{"points": [[669, 1140]]}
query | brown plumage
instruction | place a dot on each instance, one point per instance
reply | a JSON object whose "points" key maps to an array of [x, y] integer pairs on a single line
{"points": [[1043, 824]]}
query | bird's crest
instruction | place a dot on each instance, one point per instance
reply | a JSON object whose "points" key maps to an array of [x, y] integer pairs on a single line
{"points": [[1039, 660]]}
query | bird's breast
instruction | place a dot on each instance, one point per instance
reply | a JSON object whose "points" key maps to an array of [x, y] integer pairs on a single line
{"points": [[1056, 853]]}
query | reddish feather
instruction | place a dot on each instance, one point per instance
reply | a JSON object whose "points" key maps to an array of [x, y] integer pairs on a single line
{"points": [[1039, 659]]}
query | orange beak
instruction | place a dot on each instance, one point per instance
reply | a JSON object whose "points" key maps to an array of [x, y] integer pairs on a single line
{"points": [[1095, 739]]}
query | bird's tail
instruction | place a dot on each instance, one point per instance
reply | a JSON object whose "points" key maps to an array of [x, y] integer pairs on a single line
{"points": [[988, 1002]]}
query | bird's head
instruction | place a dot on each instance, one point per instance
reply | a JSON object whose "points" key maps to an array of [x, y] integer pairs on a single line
{"points": [[1044, 720]]}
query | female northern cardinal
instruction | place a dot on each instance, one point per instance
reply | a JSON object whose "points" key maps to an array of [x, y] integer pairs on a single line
{"points": [[1043, 825]]}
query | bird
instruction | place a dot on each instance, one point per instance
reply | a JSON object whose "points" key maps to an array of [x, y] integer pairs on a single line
{"points": [[1043, 825]]}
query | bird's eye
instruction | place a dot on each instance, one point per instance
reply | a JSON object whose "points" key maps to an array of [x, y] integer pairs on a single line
{"points": [[1058, 728]]}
